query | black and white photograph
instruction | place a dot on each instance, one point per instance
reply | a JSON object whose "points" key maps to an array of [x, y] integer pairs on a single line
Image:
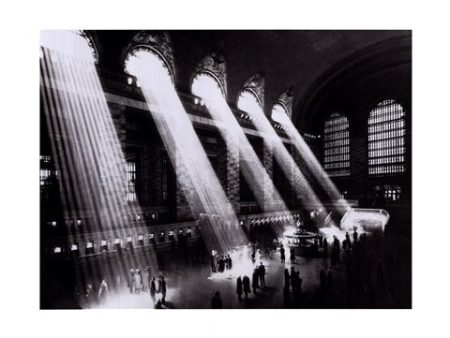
{"points": [[178, 172], [224, 169]]}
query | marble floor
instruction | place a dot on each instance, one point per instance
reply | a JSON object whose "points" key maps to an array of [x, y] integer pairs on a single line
{"points": [[192, 286]]}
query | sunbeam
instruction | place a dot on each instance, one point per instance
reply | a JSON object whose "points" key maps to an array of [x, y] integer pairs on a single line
{"points": [[86, 148], [256, 175], [195, 173]]}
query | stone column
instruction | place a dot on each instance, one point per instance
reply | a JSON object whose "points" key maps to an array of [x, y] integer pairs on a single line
{"points": [[232, 170], [268, 183], [358, 160], [184, 190]]}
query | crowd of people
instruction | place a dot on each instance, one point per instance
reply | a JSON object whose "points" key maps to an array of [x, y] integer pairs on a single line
{"points": [[138, 281], [292, 287], [220, 263], [137, 284], [100, 295], [283, 254], [362, 271], [358, 273]]}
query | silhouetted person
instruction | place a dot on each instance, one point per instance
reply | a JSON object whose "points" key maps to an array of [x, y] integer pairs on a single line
{"points": [[347, 238], [292, 255], [293, 278], [299, 282], [132, 281], [287, 279], [325, 247], [246, 285], [336, 243], [138, 281], [213, 263], [255, 278], [282, 255], [262, 274], [216, 301], [230, 262], [344, 244], [103, 290], [239, 288], [162, 287], [221, 264], [152, 286], [89, 295], [355, 236]]}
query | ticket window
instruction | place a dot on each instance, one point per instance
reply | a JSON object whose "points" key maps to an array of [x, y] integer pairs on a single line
{"points": [[104, 245], [130, 242], [117, 244], [162, 236], [74, 248], [89, 247], [151, 238], [188, 232], [180, 233], [171, 236], [141, 240], [57, 250]]}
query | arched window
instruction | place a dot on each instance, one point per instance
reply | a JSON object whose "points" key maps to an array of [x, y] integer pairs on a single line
{"points": [[207, 87], [146, 52], [386, 140], [248, 102], [279, 113], [337, 145], [76, 44], [142, 62]]}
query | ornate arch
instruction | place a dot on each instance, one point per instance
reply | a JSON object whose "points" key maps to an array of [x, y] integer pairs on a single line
{"points": [[215, 66], [255, 85], [286, 100], [157, 42], [90, 41]]}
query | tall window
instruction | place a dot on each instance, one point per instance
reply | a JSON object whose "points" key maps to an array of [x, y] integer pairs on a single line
{"points": [[248, 102], [279, 113], [387, 139], [131, 179], [337, 146]]}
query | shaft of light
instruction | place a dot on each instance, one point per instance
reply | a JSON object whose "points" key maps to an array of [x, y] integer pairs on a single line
{"points": [[247, 102], [256, 175], [84, 142], [311, 161], [195, 174]]}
